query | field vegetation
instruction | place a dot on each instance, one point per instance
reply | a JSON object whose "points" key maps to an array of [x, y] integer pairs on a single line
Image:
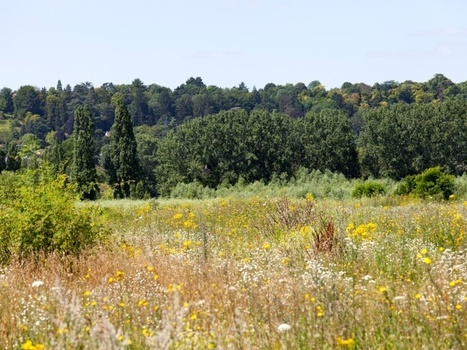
{"points": [[300, 265], [288, 217]]}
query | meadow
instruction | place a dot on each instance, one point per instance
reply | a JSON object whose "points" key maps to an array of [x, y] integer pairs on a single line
{"points": [[252, 272]]}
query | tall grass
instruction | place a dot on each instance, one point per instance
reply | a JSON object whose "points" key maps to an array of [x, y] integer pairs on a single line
{"points": [[250, 273]]}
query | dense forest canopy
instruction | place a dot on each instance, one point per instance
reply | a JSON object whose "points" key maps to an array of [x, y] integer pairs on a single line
{"points": [[218, 136]]}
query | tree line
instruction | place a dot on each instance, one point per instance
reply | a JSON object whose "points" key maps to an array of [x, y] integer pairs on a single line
{"points": [[144, 140]]}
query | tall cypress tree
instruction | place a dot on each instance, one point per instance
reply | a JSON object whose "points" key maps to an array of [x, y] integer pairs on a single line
{"points": [[84, 166], [123, 152]]}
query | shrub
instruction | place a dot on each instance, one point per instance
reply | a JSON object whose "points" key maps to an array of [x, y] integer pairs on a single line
{"points": [[368, 189], [39, 214], [193, 190], [432, 183]]}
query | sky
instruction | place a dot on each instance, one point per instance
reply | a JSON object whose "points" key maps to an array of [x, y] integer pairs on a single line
{"points": [[226, 42]]}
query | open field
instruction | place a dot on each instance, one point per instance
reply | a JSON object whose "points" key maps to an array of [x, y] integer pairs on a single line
{"points": [[250, 273]]}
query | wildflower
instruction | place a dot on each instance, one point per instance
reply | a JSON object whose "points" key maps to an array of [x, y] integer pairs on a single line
{"points": [[418, 296], [267, 246], [455, 283], [345, 342], [177, 216], [319, 311], [119, 275], [427, 261], [383, 289], [86, 293], [284, 327], [28, 345], [142, 303], [424, 251], [37, 284], [62, 331], [459, 307], [361, 232]]}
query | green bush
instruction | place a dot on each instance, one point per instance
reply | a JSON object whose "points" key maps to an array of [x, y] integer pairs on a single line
{"points": [[368, 189], [38, 213], [432, 183], [193, 190]]}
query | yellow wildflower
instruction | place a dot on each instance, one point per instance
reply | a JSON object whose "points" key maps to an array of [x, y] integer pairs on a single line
{"points": [[142, 303], [427, 261], [28, 345], [345, 342]]}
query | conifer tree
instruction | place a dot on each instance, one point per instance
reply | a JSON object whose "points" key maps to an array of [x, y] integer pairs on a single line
{"points": [[84, 166], [125, 170]]}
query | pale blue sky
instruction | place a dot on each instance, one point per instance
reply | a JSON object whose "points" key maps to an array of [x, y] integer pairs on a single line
{"points": [[226, 42]]}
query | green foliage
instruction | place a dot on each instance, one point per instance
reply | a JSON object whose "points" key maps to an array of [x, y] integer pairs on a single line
{"points": [[124, 168], [54, 153], [84, 165], [406, 139], [147, 139], [260, 146], [368, 189], [2, 160], [39, 214], [6, 100], [13, 159], [27, 99], [432, 183], [400, 129], [328, 143], [192, 190], [5, 129], [210, 150]]}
